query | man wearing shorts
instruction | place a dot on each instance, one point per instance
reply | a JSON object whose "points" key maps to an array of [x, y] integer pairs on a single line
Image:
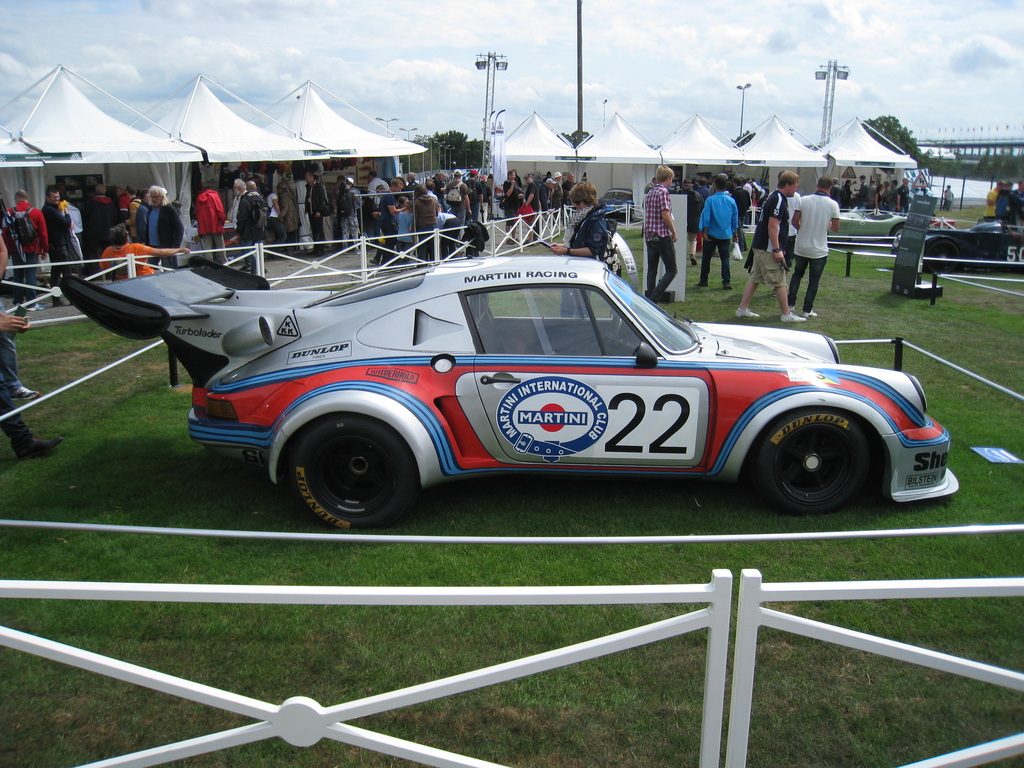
{"points": [[770, 237]]}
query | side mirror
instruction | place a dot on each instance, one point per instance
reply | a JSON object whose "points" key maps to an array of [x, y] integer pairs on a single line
{"points": [[645, 356]]}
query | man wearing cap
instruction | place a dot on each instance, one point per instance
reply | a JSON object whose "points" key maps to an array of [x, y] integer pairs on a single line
{"points": [[456, 194]]}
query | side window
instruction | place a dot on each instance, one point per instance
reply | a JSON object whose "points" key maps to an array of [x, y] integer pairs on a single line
{"points": [[550, 320]]}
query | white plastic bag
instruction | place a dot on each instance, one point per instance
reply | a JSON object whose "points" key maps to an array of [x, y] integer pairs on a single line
{"points": [[737, 254]]}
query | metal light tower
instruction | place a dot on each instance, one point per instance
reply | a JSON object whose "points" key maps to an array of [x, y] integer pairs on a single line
{"points": [[830, 73], [743, 102], [491, 62]]}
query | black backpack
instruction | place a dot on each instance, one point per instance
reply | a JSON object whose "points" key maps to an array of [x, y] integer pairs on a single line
{"points": [[22, 229], [258, 211]]}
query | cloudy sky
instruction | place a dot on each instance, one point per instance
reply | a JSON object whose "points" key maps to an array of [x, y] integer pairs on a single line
{"points": [[941, 65]]}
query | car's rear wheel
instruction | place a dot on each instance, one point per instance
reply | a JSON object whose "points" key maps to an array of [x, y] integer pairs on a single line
{"points": [[354, 472], [813, 461], [944, 249]]}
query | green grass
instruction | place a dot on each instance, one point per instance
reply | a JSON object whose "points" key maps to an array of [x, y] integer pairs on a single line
{"points": [[128, 460]]}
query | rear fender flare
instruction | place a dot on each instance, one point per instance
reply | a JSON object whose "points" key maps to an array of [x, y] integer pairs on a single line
{"points": [[372, 404]]}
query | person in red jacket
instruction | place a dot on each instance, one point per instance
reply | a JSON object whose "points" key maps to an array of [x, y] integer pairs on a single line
{"points": [[25, 256], [210, 220]]}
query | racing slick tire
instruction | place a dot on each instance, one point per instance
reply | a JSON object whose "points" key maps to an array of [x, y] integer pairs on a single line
{"points": [[354, 472], [812, 461]]}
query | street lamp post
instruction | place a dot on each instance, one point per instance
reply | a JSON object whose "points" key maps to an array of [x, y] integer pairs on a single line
{"points": [[830, 73], [491, 62], [387, 122], [743, 101]]}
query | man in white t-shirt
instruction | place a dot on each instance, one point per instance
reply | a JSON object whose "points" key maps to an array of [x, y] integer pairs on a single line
{"points": [[817, 215]]}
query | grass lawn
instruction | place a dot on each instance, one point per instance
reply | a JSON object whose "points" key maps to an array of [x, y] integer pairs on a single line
{"points": [[128, 460]]}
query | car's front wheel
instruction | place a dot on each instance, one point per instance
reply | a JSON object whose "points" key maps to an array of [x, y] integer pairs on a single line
{"points": [[354, 472], [812, 461]]}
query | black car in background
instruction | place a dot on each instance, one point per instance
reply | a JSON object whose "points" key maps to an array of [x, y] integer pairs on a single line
{"points": [[990, 241]]}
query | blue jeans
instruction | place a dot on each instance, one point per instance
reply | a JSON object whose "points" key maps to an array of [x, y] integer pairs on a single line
{"points": [[660, 250], [25, 268], [9, 363], [723, 247], [817, 266]]}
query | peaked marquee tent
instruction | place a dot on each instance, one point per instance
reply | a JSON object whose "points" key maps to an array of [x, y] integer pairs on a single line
{"points": [[40, 120], [304, 113], [534, 140], [616, 144], [695, 142], [773, 145], [853, 145], [205, 122]]}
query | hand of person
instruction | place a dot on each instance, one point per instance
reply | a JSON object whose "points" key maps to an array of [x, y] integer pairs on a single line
{"points": [[13, 324]]}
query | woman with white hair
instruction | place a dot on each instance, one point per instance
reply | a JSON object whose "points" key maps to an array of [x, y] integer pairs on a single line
{"points": [[164, 229]]}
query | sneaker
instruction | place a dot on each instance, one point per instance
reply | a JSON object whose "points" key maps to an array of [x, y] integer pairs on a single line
{"points": [[746, 313], [36, 307], [38, 448], [791, 318], [24, 393], [693, 261], [809, 313], [726, 286], [701, 285]]}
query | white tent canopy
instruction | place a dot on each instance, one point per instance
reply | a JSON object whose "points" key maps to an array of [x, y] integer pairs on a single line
{"points": [[774, 145], [14, 154], [617, 142], [205, 122], [534, 140], [66, 127], [853, 145], [305, 114], [695, 142]]}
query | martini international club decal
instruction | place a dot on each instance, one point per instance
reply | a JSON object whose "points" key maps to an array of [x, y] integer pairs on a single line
{"points": [[552, 417]]}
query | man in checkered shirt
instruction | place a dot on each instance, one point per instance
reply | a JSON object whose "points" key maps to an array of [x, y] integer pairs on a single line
{"points": [[660, 234]]}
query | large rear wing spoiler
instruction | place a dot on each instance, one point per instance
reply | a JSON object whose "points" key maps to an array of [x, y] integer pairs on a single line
{"points": [[143, 307]]}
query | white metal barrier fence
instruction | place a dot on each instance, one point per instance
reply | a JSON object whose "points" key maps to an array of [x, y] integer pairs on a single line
{"points": [[302, 722], [346, 261]]}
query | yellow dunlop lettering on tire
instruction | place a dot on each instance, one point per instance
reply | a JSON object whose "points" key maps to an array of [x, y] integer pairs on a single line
{"points": [[813, 418], [300, 480]]}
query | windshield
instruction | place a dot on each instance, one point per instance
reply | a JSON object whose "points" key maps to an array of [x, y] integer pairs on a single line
{"points": [[674, 335]]}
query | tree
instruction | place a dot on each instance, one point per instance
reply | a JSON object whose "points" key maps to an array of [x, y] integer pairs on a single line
{"points": [[454, 149], [575, 138], [901, 139]]}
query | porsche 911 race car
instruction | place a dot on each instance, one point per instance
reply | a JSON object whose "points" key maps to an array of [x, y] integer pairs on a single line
{"points": [[545, 364], [991, 241]]}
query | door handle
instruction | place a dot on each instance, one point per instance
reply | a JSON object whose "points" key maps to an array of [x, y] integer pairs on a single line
{"points": [[500, 378]]}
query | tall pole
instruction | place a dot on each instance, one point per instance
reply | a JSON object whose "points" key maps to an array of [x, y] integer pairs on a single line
{"points": [[579, 71], [743, 100], [830, 73], [491, 62]]}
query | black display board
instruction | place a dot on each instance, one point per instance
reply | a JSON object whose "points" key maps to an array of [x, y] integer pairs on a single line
{"points": [[907, 269]]}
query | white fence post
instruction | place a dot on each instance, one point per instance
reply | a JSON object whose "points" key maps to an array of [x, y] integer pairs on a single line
{"points": [[744, 658]]}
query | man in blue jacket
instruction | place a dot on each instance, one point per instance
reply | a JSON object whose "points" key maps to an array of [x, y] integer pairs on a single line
{"points": [[719, 221]]}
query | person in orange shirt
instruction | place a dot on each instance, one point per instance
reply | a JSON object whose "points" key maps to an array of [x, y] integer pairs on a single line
{"points": [[120, 250]]}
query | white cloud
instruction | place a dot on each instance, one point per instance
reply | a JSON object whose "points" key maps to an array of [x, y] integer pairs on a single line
{"points": [[656, 63]]}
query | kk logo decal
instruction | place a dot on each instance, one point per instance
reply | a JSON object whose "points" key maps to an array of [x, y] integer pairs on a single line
{"points": [[288, 327]]}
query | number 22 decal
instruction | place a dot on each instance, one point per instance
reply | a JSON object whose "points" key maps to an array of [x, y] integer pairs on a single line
{"points": [[657, 445]]}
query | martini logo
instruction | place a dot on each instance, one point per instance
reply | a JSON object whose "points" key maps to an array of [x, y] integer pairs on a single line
{"points": [[288, 327], [552, 417]]}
